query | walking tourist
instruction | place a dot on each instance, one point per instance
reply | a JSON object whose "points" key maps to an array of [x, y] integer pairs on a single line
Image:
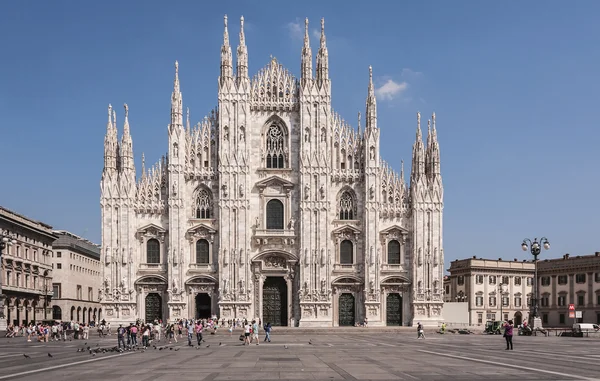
{"points": [[268, 329], [508, 334], [420, 332], [121, 336]]}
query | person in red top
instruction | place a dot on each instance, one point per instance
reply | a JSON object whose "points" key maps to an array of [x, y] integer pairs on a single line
{"points": [[199, 328], [508, 334]]}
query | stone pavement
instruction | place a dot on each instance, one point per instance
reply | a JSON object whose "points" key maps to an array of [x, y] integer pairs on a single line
{"points": [[332, 356]]}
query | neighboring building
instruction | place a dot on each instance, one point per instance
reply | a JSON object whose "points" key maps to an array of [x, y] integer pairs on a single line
{"points": [[26, 268], [274, 207], [569, 280], [77, 279], [493, 289]]}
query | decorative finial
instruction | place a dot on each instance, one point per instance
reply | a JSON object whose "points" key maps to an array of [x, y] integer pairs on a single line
{"points": [[176, 67], [109, 112], [433, 120], [322, 25], [429, 125], [370, 72], [225, 20], [359, 121], [188, 118], [126, 110], [242, 21]]}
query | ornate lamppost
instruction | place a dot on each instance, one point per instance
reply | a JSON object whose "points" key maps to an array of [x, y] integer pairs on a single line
{"points": [[501, 293], [535, 248], [45, 275], [5, 241]]}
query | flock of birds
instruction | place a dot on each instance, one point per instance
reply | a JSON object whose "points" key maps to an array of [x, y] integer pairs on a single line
{"points": [[98, 349]]}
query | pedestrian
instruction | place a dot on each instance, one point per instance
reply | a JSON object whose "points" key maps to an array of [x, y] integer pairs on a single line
{"points": [[247, 330], [199, 328], [268, 329], [190, 329], [420, 332], [508, 334], [121, 336], [255, 332]]}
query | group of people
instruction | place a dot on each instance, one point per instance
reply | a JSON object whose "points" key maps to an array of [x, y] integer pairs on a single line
{"points": [[50, 331]]}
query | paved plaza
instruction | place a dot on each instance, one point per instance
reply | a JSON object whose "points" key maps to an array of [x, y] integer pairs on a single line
{"points": [[331, 355]]}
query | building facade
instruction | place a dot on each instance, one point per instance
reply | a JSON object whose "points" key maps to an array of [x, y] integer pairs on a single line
{"points": [[26, 272], [569, 280], [493, 289], [76, 279], [562, 281], [274, 207]]}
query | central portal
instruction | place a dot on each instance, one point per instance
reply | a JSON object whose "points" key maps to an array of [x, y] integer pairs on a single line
{"points": [[203, 306], [275, 303]]}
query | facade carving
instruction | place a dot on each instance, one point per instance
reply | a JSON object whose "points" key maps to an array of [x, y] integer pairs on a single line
{"points": [[273, 206]]}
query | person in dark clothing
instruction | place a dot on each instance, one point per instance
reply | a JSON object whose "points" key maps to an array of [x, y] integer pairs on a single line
{"points": [[508, 334]]}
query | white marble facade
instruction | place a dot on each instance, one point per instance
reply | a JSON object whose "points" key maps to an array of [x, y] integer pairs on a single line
{"points": [[272, 206]]}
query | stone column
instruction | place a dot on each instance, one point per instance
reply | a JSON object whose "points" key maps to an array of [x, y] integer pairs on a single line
{"points": [[288, 282], [142, 303]]}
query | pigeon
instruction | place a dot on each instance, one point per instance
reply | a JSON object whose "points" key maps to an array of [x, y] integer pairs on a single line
{"points": [[220, 344], [310, 342], [98, 344], [93, 354], [176, 349], [50, 354], [198, 347], [285, 346], [171, 348], [208, 346], [27, 357], [84, 344]]}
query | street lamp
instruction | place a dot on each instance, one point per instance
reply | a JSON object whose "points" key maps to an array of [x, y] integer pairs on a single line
{"points": [[501, 292], [535, 248], [45, 275], [461, 297], [5, 241]]}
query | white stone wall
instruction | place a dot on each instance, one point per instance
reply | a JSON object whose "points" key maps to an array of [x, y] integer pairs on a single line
{"points": [[326, 157]]}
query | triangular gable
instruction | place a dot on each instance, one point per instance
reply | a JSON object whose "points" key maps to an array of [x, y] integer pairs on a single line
{"points": [[395, 228], [343, 228], [151, 227], [276, 181], [197, 228]]}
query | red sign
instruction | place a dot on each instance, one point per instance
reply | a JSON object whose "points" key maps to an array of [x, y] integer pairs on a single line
{"points": [[571, 307], [572, 314]]}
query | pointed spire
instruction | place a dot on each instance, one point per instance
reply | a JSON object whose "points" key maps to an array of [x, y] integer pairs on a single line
{"points": [[242, 55], [176, 100], [418, 160], [143, 165], [359, 126], [322, 57], [371, 122], [434, 155], [402, 171], [226, 57], [126, 144], [110, 143], [306, 64], [187, 119]]}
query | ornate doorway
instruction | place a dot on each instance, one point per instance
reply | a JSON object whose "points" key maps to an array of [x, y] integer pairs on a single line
{"points": [[275, 303], [153, 307], [347, 309], [203, 306], [393, 309]]}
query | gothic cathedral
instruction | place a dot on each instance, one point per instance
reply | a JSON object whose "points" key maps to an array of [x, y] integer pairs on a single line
{"points": [[272, 207]]}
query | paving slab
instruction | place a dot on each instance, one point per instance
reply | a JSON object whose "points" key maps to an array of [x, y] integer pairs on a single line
{"points": [[348, 355]]}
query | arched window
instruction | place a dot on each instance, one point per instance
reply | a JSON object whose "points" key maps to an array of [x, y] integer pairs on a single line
{"points": [[274, 214], [202, 205], [346, 252], [347, 207], [275, 141], [152, 251], [393, 257], [56, 313], [202, 252]]}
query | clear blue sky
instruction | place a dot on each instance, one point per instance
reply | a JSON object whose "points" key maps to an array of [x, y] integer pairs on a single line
{"points": [[514, 86]]}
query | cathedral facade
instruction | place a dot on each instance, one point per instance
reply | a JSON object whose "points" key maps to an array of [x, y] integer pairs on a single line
{"points": [[272, 207]]}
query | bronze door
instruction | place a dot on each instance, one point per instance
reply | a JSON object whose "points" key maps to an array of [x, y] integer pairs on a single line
{"points": [[153, 307], [393, 313], [275, 301], [346, 313]]}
